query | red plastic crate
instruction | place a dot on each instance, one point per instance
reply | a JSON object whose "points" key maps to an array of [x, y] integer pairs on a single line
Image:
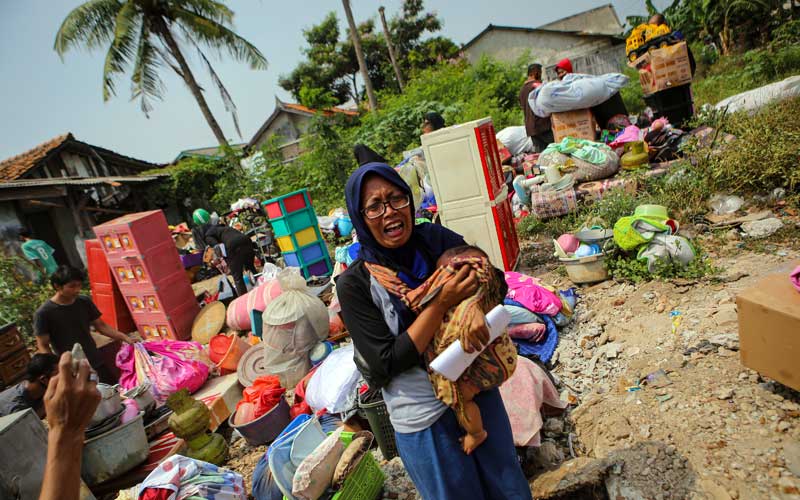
{"points": [[174, 326], [105, 292], [490, 158], [506, 234]]}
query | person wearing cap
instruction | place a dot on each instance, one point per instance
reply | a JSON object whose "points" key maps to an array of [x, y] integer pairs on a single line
{"points": [[431, 122], [239, 253], [563, 68]]}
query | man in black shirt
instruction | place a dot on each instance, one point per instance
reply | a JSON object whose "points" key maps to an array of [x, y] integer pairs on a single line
{"points": [[238, 249], [30, 392], [65, 318]]}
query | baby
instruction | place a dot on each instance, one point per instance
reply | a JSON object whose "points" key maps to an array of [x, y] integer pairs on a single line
{"points": [[498, 360]]}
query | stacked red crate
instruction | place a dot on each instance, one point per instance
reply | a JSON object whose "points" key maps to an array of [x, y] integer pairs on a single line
{"points": [[145, 263], [105, 291], [506, 233]]}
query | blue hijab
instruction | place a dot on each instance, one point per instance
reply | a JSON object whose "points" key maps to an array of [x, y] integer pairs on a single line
{"points": [[415, 260]]}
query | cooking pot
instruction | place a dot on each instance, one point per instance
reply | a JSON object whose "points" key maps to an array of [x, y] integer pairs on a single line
{"points": [[110, 404]]}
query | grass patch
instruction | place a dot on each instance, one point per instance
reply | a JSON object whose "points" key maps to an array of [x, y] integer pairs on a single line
{"points": [[738, 73]]}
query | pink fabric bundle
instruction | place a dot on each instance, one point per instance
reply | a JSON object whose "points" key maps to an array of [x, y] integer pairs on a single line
{"points": [[168, 365], [795, 278], [524, 394], [532, 332], [529, 292]]}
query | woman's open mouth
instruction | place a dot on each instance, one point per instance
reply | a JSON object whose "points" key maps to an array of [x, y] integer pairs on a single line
{"points": [[394, 229]]}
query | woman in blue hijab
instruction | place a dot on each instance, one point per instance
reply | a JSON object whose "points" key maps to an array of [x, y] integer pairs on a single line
{"points": [[389, 340]]}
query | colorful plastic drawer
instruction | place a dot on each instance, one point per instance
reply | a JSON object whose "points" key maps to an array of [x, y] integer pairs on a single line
{"points": [[302, 238], [285, 204], [321, 268], [307, 236], [309, 253], [294, 222]]}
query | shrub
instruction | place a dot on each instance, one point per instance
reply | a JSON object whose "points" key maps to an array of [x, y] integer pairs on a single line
{"points": [[19, 297]]}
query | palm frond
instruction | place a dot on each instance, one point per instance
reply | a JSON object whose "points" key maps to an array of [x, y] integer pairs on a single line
{"points": [[123, 47], [90, 24], [218, 36], [227, 100], [211, 9], [146, 82]]}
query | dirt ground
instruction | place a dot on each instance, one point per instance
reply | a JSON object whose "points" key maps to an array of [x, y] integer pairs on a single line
{"points": [[702, 426]]}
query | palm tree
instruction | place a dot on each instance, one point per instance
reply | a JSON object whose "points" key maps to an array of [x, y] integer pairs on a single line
{"points": [[146, 34]]}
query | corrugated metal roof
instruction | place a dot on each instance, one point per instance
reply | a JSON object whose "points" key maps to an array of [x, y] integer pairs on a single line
{"points": [[80, 181]]}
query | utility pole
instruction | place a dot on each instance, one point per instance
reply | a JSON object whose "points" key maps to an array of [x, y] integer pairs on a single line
{"points": [[362, 64], [390, 46]]}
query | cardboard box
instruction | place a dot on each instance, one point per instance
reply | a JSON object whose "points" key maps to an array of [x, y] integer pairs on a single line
{"points": [[579, 123], [664, 68], [769, 329]]}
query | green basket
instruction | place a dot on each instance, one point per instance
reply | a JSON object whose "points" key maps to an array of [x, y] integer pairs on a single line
{"points": [[365, 482]]}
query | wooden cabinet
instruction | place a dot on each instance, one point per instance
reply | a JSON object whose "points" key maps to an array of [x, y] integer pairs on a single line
{"points": [[14, 356]]}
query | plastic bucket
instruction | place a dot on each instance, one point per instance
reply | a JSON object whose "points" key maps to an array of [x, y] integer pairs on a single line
{"points": [[591, 269], [238, 314], [378, 418], [237, 348], [265, 428]]}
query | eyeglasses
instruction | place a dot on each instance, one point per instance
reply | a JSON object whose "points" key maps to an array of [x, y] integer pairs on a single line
{"points": [[377, 209]]}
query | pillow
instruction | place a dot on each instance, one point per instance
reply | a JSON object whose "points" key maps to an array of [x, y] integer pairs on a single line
{"points": [[355, 451], [315, 472]]}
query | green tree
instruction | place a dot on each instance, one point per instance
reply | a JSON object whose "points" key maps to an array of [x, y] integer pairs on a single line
{"points": [[145, 35], [329, 72]]}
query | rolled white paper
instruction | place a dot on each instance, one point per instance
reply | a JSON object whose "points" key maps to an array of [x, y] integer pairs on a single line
{"points": [[452, 362]]}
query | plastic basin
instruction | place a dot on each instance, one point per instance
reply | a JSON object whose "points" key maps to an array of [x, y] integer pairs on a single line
{"points": [[265, 428], [218, 346], [591, 269]]}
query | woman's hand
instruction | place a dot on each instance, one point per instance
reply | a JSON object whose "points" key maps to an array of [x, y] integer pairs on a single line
{"points": [[477, 336], [461, 286]]}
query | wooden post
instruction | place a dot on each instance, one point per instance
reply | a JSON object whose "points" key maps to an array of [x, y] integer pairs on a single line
{"points": [[390, 46], [362, 63]]}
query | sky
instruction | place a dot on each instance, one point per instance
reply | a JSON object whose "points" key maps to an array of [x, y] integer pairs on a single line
{"points": [[43, 96]]}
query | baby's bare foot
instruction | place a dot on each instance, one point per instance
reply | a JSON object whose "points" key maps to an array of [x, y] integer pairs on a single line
{"points": [[472, 441]]}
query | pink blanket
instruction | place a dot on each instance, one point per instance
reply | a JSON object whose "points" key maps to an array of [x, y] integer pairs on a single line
{"points": [[529, 292], [523, 396]]}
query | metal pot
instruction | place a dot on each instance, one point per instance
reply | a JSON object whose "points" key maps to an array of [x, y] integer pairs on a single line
{"points": [[143, 397], [114, 453], [110, 404]]}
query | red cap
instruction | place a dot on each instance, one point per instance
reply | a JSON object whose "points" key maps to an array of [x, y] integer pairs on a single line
{"points": [[565, 64]]}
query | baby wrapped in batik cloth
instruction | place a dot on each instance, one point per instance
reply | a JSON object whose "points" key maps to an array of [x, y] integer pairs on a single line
{"points": [[497, 361]]}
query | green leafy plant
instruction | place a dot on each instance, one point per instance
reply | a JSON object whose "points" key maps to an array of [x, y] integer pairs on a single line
{"points": [[19, 296]]}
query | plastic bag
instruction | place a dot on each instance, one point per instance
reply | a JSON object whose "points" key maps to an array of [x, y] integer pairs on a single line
{"points": [[516, 140], [264, 394], [333, 386], [167, 365], [293, 324], [575, 91]]}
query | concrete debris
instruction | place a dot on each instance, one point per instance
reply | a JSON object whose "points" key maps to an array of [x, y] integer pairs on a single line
{"points": [[762, 228]]}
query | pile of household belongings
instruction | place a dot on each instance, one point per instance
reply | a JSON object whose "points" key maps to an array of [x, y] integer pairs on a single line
{"points": [[553, 182], [651, 233], [537, 311]]}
